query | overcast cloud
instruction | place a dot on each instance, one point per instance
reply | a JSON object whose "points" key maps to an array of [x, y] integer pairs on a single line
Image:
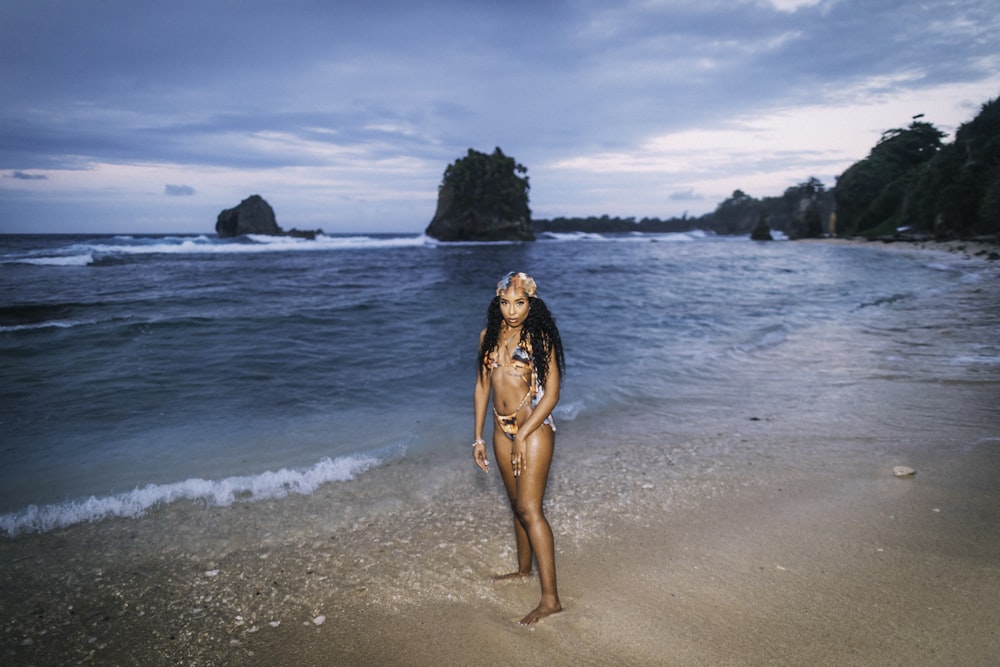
{"points": [[124, 116]]}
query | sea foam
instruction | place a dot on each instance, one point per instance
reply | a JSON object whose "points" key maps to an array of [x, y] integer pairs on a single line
{"points": [[63, 260], [101, 253], [57, 324], [572, 236], [223, 492]]}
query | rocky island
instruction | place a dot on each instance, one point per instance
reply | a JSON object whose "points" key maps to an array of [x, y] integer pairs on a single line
{"points": [[254, 216], [483, 198]]}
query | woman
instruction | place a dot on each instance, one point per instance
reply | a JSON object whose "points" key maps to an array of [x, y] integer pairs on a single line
{"points": [[521, 362]]}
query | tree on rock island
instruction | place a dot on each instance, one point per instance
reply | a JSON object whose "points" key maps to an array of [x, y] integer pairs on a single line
{"points": [[483, 198]]}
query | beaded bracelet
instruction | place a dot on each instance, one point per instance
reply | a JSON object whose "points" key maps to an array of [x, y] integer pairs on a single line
{"points": [[479, 442]]}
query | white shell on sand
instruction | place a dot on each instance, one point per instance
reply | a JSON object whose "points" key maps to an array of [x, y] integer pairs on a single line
{"points": [[903, 471]]}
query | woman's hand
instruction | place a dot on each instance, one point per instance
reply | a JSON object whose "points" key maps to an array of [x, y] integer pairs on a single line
{"points": [[518, 454], [479, 456]]}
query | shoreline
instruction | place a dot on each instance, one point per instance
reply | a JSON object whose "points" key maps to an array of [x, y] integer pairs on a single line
{"points": [[978, 249]]}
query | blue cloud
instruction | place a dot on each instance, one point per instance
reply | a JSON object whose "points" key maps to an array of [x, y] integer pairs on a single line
{"points": [[24, 176], [178, 190], [685, 195]]}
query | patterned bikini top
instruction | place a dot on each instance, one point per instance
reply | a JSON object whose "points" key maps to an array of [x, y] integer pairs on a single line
{"points": [[522, 358]]}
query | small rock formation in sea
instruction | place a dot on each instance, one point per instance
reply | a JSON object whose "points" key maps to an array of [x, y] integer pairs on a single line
{"points": [[482, 198], [762, 232], [254, 216]]}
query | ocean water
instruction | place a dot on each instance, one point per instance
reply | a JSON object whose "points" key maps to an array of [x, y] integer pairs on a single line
{"points": [[141, 370]]}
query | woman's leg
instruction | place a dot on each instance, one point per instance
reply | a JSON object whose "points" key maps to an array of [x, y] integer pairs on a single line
{"points": [[530, 493], [501, 453]]}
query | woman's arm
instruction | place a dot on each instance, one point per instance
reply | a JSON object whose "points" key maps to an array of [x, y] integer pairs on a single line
{"points": [[480, 400]]}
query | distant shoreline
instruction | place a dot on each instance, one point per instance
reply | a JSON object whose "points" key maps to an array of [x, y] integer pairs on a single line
{"points": [[980, 247]]}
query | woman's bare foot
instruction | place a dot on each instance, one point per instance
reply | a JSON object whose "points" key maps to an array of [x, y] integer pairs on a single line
{"points": [[512, 576], [540, 612]]}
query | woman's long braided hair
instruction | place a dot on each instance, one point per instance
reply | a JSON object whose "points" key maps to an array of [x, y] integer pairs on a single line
{"points": [[540, 331]]}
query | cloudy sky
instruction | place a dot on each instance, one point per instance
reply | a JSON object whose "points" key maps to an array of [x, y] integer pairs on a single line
{"points": [[128, 116]]}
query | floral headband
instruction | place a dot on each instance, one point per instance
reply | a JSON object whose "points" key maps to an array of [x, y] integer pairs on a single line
{"points": [[520, 281]]}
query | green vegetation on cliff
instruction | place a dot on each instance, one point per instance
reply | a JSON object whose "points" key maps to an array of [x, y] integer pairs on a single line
{"points": [[495, 183], [912, 180], [483, 197], [870, 194], [957, 194]]}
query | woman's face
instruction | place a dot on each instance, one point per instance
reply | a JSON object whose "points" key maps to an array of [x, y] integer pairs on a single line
{"points": [[514, 307]]}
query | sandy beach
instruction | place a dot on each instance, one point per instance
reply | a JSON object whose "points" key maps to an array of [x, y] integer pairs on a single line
{"points": [[667, 554], [742, 567]]}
